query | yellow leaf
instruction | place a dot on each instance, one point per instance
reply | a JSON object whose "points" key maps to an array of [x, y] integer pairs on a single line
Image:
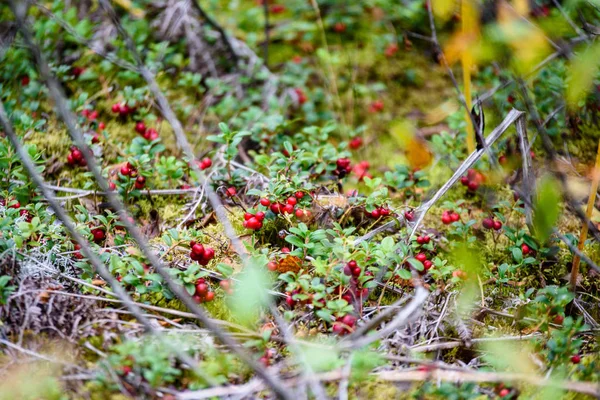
{"points": [[443, 9], [416, 149], [130, 8]]}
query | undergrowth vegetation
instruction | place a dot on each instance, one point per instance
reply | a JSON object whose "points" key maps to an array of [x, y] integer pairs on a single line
{"points": [[302, 224]]}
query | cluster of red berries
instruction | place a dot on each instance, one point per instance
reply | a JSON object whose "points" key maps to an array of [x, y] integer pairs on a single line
{"points": [[146, 133], [344, 325], [205, 163], [91, 115], [423, 239], [201, 254], [16, 205], [302, 98], [352, 269], [122, 109], [289, 207], [254, 221], [77, 254], [75, 157], [472, 180], [376, 107], [203, 292], [449, 216], [427, 264], [378, 212], [131, 171], [98, 235], [343, 167], [391, 49], [491, 223], [355, 143]]}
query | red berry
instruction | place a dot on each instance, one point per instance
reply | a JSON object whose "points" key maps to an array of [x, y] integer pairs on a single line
{"points": [[116, 108], [197, 299], [288, 209], [502, 159], [126, 370], [125, 170], [473, 186], [225, 284], [356, 271], [427, 239], [140, 181], [576, 359], [446, 219], [409, 215], [265, 202], [497, 225], [299, 213], [209, 253], [101, 125], [356, 143], [25, 80], [98, 235], [111, 185], [231, 191], [420, 240], [140, 127], [301, 96], [349, 320], [427, 264], [375, 213], [348, 270], [292, 201], [201, 289], [454, 216], [276, 208], [272, 266], [210, 296], [285, 250], [504, 392], [558, 319], [277, 8], [339, 27], [70, 159], [487, 223], [124, 109], [260, 216], [384, 212], [247, 216], [77, 155], [254, 224], [343, 163], [290, 302], [421, 257], [525, 249], [464, 180], [197, 248], [92, 115], [391, 49], [352, 264], [338, 328]]}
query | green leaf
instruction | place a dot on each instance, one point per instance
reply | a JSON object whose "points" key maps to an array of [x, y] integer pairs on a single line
{"points": [[416, 264], [546, 208], [251, 293], [582, 72], [295, 240], [404, 274]]}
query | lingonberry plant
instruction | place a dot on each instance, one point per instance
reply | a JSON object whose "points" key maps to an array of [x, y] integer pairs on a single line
{"points": [[346, 218]]}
